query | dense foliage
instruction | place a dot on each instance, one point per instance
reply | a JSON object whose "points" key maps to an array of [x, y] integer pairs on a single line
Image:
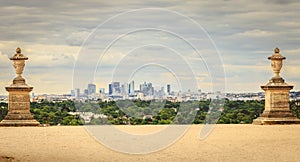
{"points": [[55, 113], [295, 109], [196, 112], [147, 112], [236, 112], [50, 113], [3, 110]]}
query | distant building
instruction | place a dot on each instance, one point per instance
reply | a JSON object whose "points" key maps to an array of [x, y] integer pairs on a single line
{"points": [[147, 89], [168, 88], [86, 92], [124, 89], [91, 89], [131, 88], [110, 89], [162, 91], [73, 93], [116, 88], [102, 90], [77, 93]]}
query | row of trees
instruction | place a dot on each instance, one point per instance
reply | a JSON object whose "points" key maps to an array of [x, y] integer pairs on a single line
{"points": [[50, 113], [157, 112], [55, 113], [148, 112]]}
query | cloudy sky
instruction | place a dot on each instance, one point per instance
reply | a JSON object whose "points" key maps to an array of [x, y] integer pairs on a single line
{"points": [[200, 44]]}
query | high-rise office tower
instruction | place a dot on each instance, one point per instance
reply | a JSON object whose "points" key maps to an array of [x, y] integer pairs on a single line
{"points": [[116, 87], [77, 93], [124, 89], [131, 88], [110, 89], [168, 88], [91, 89]]}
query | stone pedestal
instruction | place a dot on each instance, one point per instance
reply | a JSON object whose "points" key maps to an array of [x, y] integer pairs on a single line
{"points": [[277, 107], [19, 108], [19, 99], [277, 97]]}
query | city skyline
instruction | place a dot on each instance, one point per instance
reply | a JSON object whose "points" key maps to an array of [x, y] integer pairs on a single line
{"points": [[129, 88], [68, 43]]}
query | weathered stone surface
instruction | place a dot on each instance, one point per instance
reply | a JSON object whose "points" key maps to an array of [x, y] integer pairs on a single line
{"points": [[271, 121], [277, 97], [19, 99]]}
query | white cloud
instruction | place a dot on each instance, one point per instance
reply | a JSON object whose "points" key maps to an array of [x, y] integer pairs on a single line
{"points": [[293, 51], [255, 33], [291, 71], [4, 59], [289, 24]]}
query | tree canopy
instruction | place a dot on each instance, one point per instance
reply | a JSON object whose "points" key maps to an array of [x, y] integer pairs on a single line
{"points": [[146, 112]]}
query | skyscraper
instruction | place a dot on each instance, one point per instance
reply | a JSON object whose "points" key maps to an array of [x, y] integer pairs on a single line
{"points": [[91, 89], [86, 92], [116, 88], [124, 89], [147, 89], [73, 93], [162, 91], [168, 88], [77, 93], [131, 88], [110, 89]]}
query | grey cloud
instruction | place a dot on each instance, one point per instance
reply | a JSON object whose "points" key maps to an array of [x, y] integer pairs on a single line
{"points": [[66, 23], [281, 2], [77, 38]]}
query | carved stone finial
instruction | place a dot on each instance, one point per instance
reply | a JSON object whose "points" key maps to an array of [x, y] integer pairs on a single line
{"points": [[18, 55], [18, 50], [276, 64]]}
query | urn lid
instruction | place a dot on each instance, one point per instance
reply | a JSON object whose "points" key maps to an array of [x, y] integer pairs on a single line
{"points": [[276, 55], [19, 55]]}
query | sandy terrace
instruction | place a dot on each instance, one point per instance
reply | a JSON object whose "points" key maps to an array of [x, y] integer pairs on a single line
{"points": [[225, 143]]}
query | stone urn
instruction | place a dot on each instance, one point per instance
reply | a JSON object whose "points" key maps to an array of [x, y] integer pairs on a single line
{"points": [[18, 97], [276, 64], [19, 64], [277, 97]]}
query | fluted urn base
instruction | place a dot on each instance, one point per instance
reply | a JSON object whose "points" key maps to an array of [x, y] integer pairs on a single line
{"points": [[19, 107]]}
